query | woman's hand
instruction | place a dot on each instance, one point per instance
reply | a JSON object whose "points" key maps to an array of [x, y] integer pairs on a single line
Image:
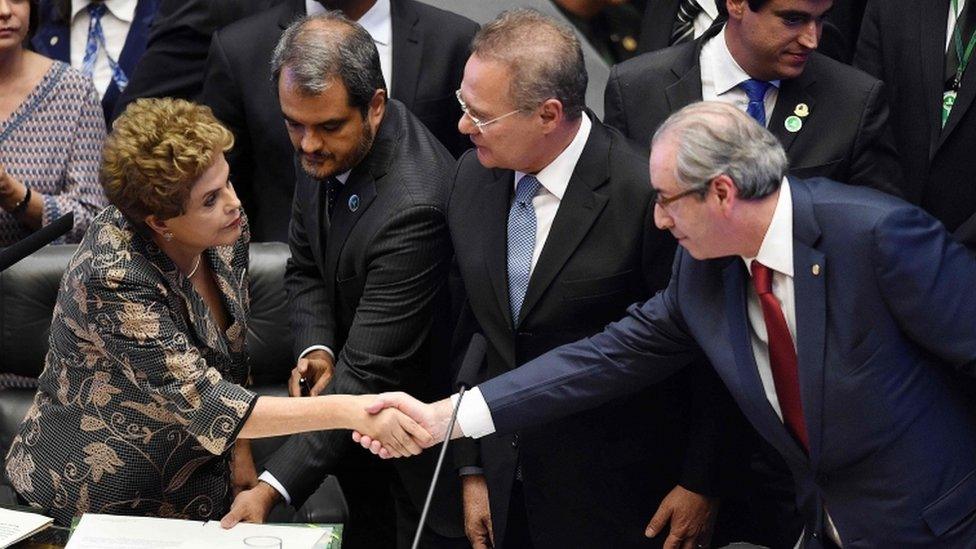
{"points": [[399, 435], [243, 475]]}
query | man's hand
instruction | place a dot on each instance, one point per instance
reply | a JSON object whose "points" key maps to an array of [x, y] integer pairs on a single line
{"points": [[391, 430], [316, 368], [432, 417], [251, 505], [243, 475], [692, 517], [477, 513]]}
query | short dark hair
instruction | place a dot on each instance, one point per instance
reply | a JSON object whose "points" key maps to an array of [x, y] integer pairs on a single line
{"points": [[320, 48], [723, 10]]}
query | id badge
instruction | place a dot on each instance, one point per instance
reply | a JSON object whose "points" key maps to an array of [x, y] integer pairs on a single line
{"points": [[948, 100]]}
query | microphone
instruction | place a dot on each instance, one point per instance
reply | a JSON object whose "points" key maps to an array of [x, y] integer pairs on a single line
{"points": [[36, 240], [465, 380]]}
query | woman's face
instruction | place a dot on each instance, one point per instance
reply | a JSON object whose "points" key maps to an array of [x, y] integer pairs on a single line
{"points": [[14, 23], [212, 215]]}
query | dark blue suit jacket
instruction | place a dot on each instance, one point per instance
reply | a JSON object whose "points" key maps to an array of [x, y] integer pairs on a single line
{"points": [[884, 328], [53, 39]]}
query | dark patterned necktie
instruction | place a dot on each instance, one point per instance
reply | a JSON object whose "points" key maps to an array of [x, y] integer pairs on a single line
{"points": [[521, 242], [684, 22]]}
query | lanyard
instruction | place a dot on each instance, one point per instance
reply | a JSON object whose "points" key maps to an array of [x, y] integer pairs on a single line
{"points": [[962, 55]]}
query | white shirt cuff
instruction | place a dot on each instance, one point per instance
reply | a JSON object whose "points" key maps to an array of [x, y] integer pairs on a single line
{"points": [[268, 478], [317, 348], [474, 417]]}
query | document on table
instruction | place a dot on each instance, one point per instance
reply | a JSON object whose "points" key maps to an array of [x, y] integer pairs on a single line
{"points": [[121, 532], [18, 525]]}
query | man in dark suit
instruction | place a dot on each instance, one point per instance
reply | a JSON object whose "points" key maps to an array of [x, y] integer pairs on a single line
{"points": [[842, 348], [541, 158], [830, 118], [908, 45], [366, 280], [102, 39], [426, 46], [173, 63]]}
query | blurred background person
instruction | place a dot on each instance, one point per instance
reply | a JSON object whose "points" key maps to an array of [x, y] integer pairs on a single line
{"points": [[140, 407], [51, 135]]}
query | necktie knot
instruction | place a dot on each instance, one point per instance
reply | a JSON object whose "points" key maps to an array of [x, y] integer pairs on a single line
{"points": [[96, 10], [755, 89], [526, 189], [762, 278]]}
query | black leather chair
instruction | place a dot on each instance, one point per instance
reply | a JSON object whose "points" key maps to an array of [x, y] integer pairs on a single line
{"points": [[28, 291]]}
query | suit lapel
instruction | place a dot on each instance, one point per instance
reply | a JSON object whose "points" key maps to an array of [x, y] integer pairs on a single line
{"points": [[931, 40], [964, 100], [687, 69], [495, 199], [791, 93], [407, 51], [757, 406], [289, 11], [579, 208], [657, 24], [138, 35], [811, 313]]}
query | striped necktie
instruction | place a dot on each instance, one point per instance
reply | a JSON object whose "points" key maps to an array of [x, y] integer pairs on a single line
{"points": [[684, 22]]}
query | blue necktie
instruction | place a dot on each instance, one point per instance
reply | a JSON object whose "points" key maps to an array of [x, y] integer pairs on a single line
{"points": [[521, 242], [756, 92], [96, 40]]}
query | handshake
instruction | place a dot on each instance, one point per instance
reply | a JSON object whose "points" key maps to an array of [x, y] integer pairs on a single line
{"points": [[397, 425]]}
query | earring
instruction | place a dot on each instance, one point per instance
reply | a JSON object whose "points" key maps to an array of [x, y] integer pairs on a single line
{"points": [[168, 236]]}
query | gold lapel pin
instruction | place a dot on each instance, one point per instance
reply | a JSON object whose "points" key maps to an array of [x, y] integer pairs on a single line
{"points": [[815, 269], [801, 110]]}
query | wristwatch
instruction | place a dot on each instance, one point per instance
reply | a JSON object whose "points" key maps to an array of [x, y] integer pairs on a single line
{"points": [[21, 206]]}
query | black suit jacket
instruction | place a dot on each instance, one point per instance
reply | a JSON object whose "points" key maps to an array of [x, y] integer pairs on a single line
{"points": [[430, 47], [903, 43], [845, 137], [600, 474], [371, 285], [172, 65]]}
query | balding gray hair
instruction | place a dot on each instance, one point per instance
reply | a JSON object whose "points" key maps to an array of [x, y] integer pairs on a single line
{"points": [[543, 55], [715, 138], [317, 49]]}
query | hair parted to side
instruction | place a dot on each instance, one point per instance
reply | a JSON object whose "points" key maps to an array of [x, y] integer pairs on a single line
{"points": [[715, 138], [157, 149], [544, 56], [319, 49]]}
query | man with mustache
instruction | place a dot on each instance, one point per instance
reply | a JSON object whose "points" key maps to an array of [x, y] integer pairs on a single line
{"points": [[366, 281]]}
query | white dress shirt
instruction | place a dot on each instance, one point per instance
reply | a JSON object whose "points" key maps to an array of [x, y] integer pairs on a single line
{"points": [[721, 76], [118, 17], [706, 17], [379, 24]]}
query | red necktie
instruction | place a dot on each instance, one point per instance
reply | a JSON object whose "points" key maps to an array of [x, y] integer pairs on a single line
{"points": [[782, 355]]}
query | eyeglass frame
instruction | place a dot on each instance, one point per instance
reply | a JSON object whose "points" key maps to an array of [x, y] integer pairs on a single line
{"points": [[475, 120], [665, 202]]}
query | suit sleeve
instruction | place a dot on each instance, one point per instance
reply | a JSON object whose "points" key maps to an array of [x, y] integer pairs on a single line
{"points": [[407, 268], [650, 343], [223, 94], [875, 160], [923, 273], [312, 318], [613, 103]]}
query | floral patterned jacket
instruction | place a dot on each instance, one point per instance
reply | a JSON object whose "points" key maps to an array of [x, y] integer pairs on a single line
{"points": [[140, 399]]}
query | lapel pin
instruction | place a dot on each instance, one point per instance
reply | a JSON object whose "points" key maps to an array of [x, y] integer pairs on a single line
{"points": [[815, 269], [793, 123], [54, 40], [353, 202], [801, 110], [629, 43]]}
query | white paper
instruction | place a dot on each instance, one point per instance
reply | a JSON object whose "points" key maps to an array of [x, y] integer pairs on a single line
{"points": [[17, 525], [121, 532]]}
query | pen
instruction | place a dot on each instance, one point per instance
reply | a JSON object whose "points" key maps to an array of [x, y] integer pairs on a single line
{"points": [[306, 389]]}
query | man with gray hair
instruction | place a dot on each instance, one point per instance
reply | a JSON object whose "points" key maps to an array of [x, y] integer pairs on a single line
{"points": [[833, 315], [537, 216], [366, 280]]}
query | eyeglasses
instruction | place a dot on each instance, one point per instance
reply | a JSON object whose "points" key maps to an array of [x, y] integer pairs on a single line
{"points": [[481, 125], [665, 202]]}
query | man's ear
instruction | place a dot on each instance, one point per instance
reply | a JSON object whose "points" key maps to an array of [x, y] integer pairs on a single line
{"points": [[377, 107], [551, 113], [725, 190]]}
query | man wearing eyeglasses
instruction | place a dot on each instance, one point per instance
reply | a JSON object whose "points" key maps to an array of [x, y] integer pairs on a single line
{"points": [[549, 216]]}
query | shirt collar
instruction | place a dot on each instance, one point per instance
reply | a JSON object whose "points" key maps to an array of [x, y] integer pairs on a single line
{"points": [[726, 73], [776, 250], [378, 20], [555, 177], [124, 10], [342, 177], [709, 7]]}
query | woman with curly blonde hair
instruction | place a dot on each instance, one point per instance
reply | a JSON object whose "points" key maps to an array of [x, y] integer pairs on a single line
{"points": [[140, 408]]}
